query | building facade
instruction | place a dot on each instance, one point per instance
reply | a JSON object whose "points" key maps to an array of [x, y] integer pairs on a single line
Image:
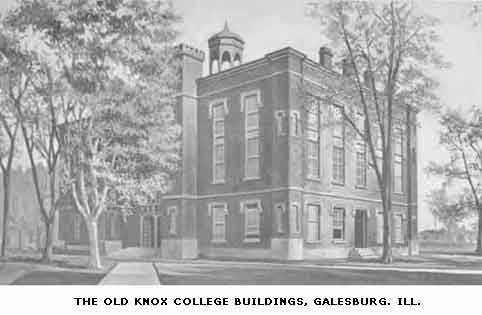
{"points": [[262, 175]]}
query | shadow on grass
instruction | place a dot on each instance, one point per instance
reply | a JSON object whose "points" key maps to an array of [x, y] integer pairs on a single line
{"points": [[40, 277]]}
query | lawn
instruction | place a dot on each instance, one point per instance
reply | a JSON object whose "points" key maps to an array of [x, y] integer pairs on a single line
{"points": [[279, 274], [27, 268]]}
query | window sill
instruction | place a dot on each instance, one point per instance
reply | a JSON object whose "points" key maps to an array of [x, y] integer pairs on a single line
{"points": [[251, 240], [218, 183], [361, 187], [247, 179], [339, 242], [314, 178], [338, 184]]}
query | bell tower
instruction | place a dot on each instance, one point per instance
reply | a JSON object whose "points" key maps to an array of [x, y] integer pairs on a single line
{"points": [[225, 50]]}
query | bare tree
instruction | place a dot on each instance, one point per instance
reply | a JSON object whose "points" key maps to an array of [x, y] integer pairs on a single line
{"points": [[388, 47]]}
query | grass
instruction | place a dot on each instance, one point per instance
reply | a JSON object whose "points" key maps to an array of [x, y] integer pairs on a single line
{"points": [[28, 268]]}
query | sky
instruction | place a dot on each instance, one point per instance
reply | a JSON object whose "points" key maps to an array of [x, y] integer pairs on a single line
{"points": [[270, 25]]}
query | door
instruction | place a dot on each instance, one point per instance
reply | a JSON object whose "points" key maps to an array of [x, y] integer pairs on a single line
{"points": [[360, 228], [148, 231]]}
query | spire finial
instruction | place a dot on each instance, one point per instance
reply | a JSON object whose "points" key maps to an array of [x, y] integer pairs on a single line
{"points": [[226, 28]]}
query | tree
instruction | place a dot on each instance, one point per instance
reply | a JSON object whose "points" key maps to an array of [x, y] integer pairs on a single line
{"points": [[461, 135], [388, 48], [450, 210], [120, 141], [39, 97], [8, 135]]}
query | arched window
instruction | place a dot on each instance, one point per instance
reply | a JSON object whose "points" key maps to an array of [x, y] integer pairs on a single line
{"points": [[225, 61], [214, 66], [237, 60]]}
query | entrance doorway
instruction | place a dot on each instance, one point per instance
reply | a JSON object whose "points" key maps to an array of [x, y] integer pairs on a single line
{"points": [[148, 231], [361, 228]]}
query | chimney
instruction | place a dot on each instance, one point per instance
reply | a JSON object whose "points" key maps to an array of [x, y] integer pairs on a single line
{"points": [[347, 67], [325, 57]]}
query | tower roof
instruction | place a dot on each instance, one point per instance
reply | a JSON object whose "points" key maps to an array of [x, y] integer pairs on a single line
{"points": [[226, 33]]}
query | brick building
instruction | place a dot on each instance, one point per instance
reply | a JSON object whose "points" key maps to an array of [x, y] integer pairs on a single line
{"points": [[262, 176]]}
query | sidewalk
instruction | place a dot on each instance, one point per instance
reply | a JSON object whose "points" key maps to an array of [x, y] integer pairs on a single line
{"points": [[138, 273]]}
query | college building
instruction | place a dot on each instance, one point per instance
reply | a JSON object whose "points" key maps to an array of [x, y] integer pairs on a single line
{"points": [[262, 175]]}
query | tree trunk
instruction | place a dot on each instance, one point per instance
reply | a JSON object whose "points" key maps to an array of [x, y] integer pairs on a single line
{"points": [[478, 249], [387, 257], [6, 205], [48, 247], [94, 252]]}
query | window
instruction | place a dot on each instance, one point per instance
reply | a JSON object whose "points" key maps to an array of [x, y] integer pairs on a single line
{"points": [[379, 228], [218, 212], [338, 223], [397, 162], [338, 146], [361, 170], [295, 129], [282, 122], [252, 136], [360, 154], [279, 210], [313, 223], [313, 139], [295, 221], [397, 229], [252, 212], [172, 214], [219, 165]]}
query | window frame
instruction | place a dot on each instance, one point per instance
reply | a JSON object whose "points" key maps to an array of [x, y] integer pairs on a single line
{"points": [[218, 139], [172, 223], [343, 224], [398, 161], [282, 119], [213, 208], [279, 215], [252, 134], [313, 139], [316, 221], [339, 148], [246, 212]]}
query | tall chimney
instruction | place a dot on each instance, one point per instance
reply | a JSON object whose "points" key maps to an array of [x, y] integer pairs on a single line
{"points": [[325, 57]]}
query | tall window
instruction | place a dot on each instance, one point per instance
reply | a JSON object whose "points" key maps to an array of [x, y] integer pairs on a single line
{"points": [[313, 223], [397, 161], [313, 139], [281, 122], [252, 135], [361, 154], [338, 157], [252, 220], [218, 212], [219, 165], [397, 229], [172, 215], [338, 223], [295, 128], [295, 218], [279, 210]]}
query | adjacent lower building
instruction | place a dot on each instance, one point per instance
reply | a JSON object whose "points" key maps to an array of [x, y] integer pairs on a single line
{"points": [[262, 175]]}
